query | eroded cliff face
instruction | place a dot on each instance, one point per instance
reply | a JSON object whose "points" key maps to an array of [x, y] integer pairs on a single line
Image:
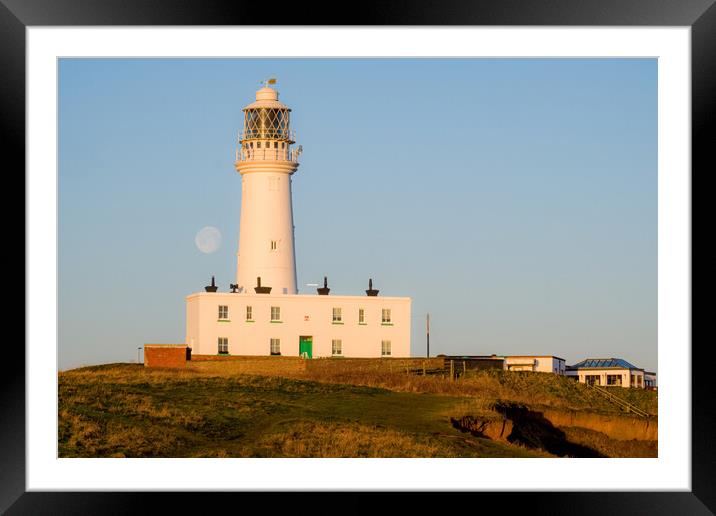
{"points": [[565, 432], [623, 428], [496, 429]]}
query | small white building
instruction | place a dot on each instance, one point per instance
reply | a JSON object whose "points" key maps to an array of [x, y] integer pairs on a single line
{"points": [[536, 363], [610, 372], [263, 314]]}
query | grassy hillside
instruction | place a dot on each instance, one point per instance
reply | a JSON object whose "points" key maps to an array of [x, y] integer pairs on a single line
{"points": [[220, 409], [486, 386], [126, 411]]}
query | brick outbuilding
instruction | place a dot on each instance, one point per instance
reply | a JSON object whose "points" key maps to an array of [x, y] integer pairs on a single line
{"points": [[165, 355]]}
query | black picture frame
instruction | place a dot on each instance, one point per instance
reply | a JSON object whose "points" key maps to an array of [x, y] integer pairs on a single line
{"points": [[700, 15]]}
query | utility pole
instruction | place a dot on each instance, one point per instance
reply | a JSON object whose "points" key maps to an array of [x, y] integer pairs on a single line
{"points": [[428, 334]]}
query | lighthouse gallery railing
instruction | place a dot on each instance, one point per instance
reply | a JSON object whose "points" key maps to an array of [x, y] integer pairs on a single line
{"points": [[267, 155]]}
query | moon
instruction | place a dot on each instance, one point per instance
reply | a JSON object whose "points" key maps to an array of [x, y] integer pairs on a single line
{"points": [[208, 239]]}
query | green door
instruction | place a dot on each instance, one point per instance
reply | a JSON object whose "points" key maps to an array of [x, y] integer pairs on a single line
{"points": [[305, 346]]}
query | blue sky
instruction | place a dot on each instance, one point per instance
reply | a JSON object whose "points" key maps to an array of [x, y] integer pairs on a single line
{"points": [[513, 199]]}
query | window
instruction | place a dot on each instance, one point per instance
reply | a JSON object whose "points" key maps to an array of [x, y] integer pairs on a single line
{"points": [[223, 312], [249, 313], [337, 315], [385, 319], [275, 346], [361, 316], [336, 347], [274, 245], [275, 145], [385, 348], [258, 145], [614, 379], [592, 379], [275, 313], [223, 346]]}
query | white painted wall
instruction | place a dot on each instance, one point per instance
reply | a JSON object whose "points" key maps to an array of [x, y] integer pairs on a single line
{"points": [[300, 315], [624, 373], [536, 363], [266, 217]]}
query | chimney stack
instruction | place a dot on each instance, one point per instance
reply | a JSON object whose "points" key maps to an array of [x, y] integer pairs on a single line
{"points": [[259, 289], [212, 287], [371, 291], [323, 291]]}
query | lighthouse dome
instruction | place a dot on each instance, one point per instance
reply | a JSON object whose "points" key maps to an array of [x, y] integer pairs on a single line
{"points": [[267, 93], [267, 98]]}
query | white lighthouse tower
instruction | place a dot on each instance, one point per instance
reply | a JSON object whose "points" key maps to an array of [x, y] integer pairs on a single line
{"points": [[266, 163]]}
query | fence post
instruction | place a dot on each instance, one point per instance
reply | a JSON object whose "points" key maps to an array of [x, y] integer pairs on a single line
{"points": [[452, 369]]}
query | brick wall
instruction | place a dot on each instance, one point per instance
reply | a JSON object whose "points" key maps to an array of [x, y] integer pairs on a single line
{"points": [[243, 364], [218, 358], [164, 356], [366, 365]]}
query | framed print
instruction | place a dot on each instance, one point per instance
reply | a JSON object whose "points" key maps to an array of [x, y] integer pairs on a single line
{"points": [[119, 96]]}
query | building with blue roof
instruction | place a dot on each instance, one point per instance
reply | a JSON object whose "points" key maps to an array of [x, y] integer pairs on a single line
{"points": [[610, 372]]}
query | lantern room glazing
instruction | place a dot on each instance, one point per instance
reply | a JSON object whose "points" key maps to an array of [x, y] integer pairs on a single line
{"points": [[267, 123]]}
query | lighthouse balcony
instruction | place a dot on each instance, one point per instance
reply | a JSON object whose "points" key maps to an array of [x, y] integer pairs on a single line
{"points": [[267, 155]]}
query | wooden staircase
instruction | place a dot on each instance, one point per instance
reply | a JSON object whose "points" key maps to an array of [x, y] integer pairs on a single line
{"points": [[625, 405]]}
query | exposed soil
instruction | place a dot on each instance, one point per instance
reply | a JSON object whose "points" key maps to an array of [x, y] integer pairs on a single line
{"points": [[564, 433]]}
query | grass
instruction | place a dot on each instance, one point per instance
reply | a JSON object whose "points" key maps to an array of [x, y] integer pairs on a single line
{"points": [[280, 408], [125, 410]]}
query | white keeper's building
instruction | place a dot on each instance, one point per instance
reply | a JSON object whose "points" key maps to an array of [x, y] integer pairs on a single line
{"points": [[263, 314]]}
